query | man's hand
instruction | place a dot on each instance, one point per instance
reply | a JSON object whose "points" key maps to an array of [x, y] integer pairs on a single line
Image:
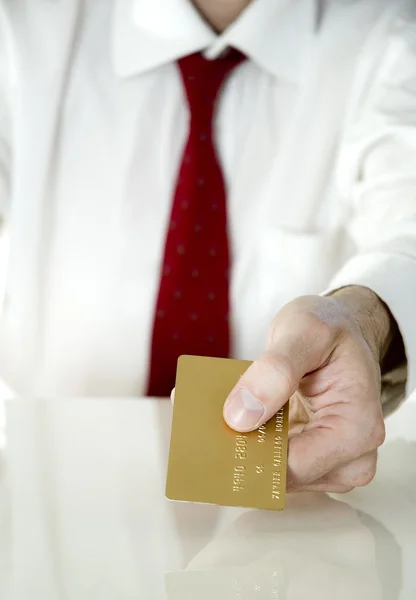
{"points": [[324, 353]]}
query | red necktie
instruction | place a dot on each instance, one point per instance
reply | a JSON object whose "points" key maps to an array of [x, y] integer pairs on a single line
{"points": [[191, 315]]}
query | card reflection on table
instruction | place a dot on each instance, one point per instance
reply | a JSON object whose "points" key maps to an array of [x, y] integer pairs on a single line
{"points": [[318, 548]]}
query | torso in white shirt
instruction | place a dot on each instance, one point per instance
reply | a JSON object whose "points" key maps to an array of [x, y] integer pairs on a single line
{"points": [[116, 148]]}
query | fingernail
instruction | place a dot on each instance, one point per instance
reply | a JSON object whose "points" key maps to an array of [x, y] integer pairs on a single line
{"points": [[243, 411]]}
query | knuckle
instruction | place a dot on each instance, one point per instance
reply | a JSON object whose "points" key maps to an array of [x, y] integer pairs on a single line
{"points": [[346, 489], [378, 435], [374, 435], [365, 477]]}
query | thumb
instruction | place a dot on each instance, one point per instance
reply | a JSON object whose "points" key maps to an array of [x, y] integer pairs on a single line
{"points": [[274, 377]]}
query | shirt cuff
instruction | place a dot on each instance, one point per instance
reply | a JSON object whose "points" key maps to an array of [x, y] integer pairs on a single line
{"points": [[393, 278]]}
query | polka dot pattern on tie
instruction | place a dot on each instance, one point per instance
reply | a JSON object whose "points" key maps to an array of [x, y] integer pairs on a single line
{"points": [[192, 308]]}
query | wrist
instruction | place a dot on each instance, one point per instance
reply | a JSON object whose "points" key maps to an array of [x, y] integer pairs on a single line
{"points": [[371, 315]]}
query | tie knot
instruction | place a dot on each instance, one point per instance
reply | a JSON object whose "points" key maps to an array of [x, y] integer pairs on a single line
{"points": [[203, 78]]}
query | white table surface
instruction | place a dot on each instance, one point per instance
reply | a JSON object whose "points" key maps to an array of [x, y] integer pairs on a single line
{"points": [[83, 517]]}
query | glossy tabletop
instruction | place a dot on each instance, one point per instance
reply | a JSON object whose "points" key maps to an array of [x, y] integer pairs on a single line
{"points": [[83, 516]]}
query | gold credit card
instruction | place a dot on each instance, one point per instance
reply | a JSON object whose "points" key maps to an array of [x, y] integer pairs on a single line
{"points": [[208, 461]]}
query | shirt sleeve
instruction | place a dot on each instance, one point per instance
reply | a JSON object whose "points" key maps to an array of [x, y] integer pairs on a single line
{"points": [[377, 178]]}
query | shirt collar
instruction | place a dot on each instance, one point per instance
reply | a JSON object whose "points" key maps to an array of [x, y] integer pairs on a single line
{"points": [[275, 34]]}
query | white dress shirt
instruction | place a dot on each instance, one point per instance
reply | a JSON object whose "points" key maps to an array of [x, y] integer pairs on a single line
{"points": [[315, 133]]}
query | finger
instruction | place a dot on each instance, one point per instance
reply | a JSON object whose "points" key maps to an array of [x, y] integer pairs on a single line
{"points": [[324, 488], [357, 473], [261, 392], [319, 450], [298, 347], [327, 454]]}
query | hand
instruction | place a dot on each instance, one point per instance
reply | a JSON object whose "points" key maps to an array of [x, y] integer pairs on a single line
{"points": [[324, 353]]}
